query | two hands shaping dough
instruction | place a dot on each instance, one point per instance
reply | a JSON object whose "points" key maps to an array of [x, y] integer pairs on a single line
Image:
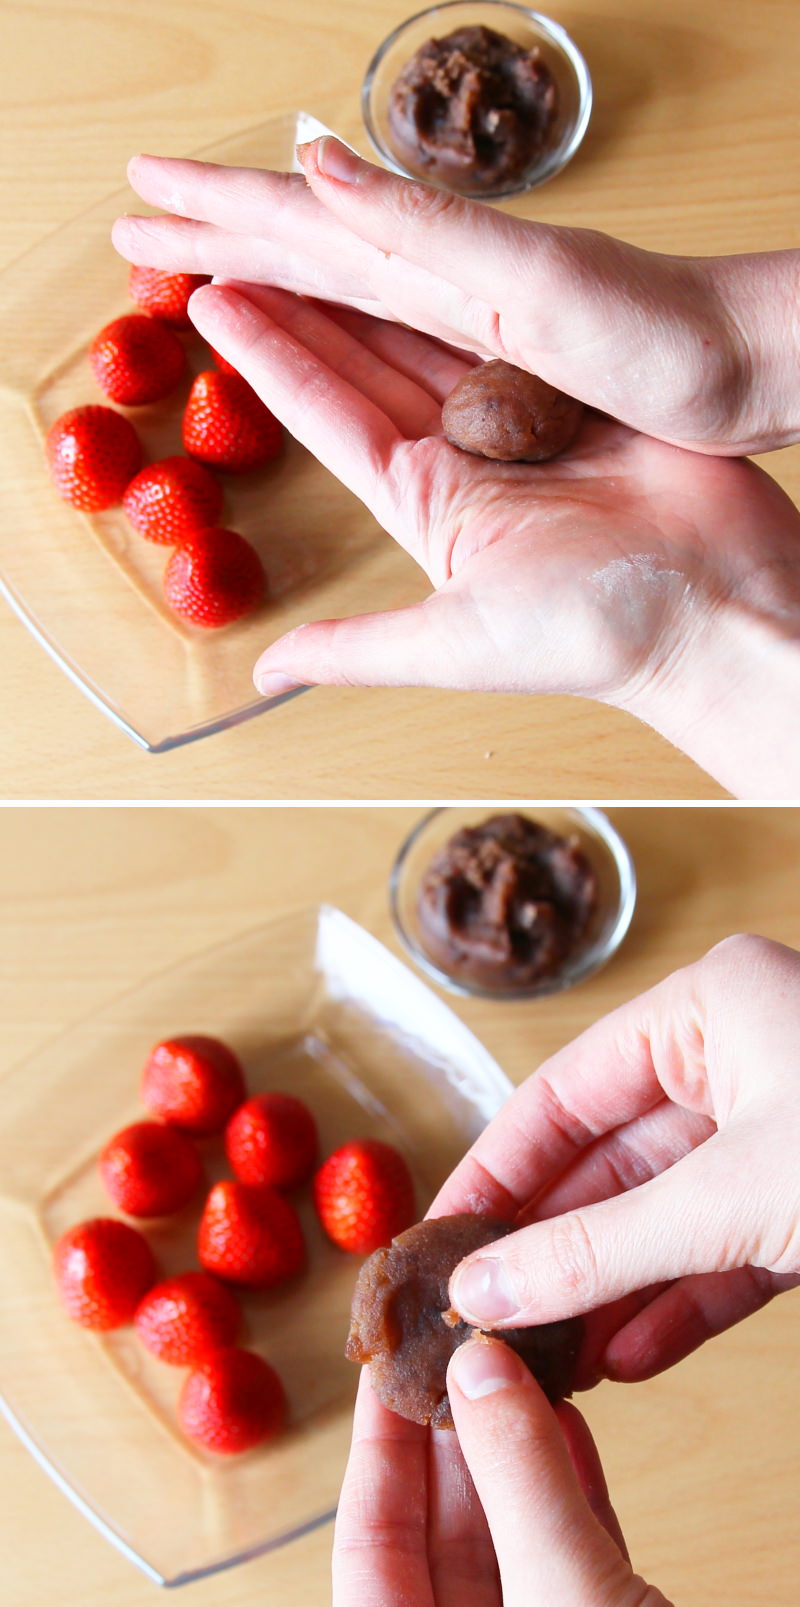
{"points": [[654, 1163], [651, 566]]}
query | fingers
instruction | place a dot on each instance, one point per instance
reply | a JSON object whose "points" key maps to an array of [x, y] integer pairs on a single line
{"points": [[550, 1545], [461, 1558], [682, 1317], [411, 647], [436, 366], [380, 1545], [622, 1160]]}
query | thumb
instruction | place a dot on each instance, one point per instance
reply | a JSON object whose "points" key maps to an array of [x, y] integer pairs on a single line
{"points": [[417, 646], [549, 1543], [703, 1215]]}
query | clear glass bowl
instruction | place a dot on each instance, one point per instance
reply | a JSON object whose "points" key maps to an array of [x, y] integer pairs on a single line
{"points": [[527, 28], [311, 1003], [599, 841], [85, 584]]}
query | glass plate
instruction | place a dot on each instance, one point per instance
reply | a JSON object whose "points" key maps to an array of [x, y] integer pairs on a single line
{"points": [[311, 1003], [86, 585]]}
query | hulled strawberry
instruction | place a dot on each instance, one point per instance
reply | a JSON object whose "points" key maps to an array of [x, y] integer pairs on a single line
{"points": [[193, 1082], [92, 454], [272, 1138], [185, 1319], [250, 1236], [150, 1170], [102, 1269], [234, 1401], [364, 1195], [213, 578], [164, 295], [172, 499], [136, 359], [226, 426]]}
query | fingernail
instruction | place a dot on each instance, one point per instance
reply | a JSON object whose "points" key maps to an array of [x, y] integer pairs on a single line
{"points": [[336, 161], [482, 1367], [482, 1291], [272, 683]]}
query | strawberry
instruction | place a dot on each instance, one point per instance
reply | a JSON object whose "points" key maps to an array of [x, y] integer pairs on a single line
{"points": [[92, 453], [272, 1138], [364, 1195], [234, 1401], [214, 577], [222, 362], [136, 359], [172, 499], [150, 1170], [185, 1319], [164, 295], [194, 1083], [102, 1269], [227, 426], [250, 1236]]}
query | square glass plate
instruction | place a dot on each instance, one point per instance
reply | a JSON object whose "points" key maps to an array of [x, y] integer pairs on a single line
{"points": [[311, 1003], [89, 587]]}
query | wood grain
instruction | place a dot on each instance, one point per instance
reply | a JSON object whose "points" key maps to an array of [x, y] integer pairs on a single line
{"points": [[703, 1463], [691, 148]]}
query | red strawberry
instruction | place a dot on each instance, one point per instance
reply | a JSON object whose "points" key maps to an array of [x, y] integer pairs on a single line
{"points": [[185, 1319], [250, 1236], [102, 1269], [172, 499], [136, 359], [364, 1195], [214, 577], [194, 1082], [233, 1402], [222, 362], [150, 1170], [92, 453], [164, 295], [227, 426], [272, 1138]]}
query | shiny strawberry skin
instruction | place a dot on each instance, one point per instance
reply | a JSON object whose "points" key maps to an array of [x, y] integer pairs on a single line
{"points": [[102, 1269], [272, 1138], [136, 359], [226, 426], [213, 578], [192, 1082], [250, 1236], [149, 1169], [92, 454], [172, 499], [164, 295], [186, 1319], [364, 1196], [233, 1402]]}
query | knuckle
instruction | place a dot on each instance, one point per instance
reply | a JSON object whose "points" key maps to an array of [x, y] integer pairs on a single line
{"points": [[575, 1258], [742, 950], [421, 203]]}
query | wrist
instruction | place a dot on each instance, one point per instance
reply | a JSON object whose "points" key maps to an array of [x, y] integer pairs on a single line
{"points": [[761, 297], [727, 694]]}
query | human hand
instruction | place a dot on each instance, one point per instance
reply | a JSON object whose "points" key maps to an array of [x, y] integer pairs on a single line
{"points": [[510, 1510], [655, 1159], [626, 570], [699, 352]]}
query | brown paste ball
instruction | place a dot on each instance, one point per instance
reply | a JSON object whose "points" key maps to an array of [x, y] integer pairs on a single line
{"points": [[499, 411], [402, 1322]]}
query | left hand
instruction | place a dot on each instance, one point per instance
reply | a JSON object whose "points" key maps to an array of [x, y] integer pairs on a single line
{"points": [[512, 1510]]}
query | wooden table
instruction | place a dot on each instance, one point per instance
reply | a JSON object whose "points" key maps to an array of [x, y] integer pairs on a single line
{"points": [[691, 149], [703, 1462]]}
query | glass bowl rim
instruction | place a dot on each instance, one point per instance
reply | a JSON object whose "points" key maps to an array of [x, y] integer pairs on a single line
{"points": [[593, 957], [554, 32]]}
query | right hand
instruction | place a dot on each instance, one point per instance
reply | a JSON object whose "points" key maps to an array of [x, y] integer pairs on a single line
{"points": [[698, 352], [655, 1161]]}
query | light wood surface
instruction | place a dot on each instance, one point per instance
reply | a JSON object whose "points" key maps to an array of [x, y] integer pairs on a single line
{"points": [[691, 148], [704, 1463]]}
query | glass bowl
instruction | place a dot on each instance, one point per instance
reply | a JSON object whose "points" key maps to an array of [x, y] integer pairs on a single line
{"points": [[311, 1003], [527, 28], [594, 835]]}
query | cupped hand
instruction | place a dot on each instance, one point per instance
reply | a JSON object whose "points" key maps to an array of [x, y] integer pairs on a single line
{"points": [[510, 1510], [655, 1162], [699, 352]]}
